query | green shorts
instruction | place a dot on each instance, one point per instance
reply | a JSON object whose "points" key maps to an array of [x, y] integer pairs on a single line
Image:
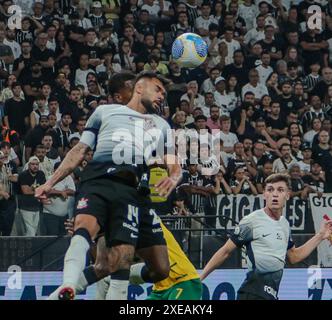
{"points": [[186, 290]]}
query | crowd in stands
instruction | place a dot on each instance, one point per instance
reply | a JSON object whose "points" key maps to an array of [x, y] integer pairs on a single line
{"points": [[264, 95]]}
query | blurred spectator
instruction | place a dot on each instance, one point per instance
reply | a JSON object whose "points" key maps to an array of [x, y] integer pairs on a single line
{"points": [[64, 131], [35, 136], [16, 111], [264, 70], [316, 126], [213, 122], [298, 189], [263, 173], [51, 152], [296, 143], [229, 138], [197, 187], [209, 84], [45, 164], [285, 161], [241, 183], [40, 111], [240, 159], [320, 88], [305, 163], [192, 95], [8, 189], [322, 149], [56, 212], [254, 86], [275, 121], [29, 206], [220, 187], [315, 111], [315, 180]]}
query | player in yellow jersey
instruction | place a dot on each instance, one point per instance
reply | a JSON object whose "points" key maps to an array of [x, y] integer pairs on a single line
{"points": [[183, 282]]}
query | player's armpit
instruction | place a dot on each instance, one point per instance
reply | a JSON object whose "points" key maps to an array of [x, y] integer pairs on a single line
{"points": [[218, 258]]}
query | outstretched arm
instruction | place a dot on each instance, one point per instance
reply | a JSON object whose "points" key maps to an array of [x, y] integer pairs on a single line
{"points": [[296, 255], [218, 258]]}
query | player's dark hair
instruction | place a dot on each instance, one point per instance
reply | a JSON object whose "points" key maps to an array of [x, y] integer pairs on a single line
{"points": [[278, 177], [118, 82], [152, 75]]}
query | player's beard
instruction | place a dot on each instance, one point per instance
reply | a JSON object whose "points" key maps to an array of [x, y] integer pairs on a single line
{"points": [[148, 105]]}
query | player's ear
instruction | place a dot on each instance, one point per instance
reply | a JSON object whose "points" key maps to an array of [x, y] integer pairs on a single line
{"points": [[288, 195], [139, 87], [118, 97]]}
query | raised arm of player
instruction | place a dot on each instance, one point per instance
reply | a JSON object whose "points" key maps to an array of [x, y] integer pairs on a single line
{"points": [[166, 185], [218, 258], [296, 255], [72, 160]]}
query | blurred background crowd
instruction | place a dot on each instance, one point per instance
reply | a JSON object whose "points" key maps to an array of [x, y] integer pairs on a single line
{"points": [[264, 96]]}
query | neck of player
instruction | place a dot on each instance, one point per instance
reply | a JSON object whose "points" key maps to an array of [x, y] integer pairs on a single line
{"points": [[275, 214], [136, 105]]}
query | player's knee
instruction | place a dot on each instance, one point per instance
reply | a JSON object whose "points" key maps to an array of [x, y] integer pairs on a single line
{"points": [[88, 223]]}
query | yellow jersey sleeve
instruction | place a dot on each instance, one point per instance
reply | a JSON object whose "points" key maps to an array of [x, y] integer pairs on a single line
{"points": [[181, 267]]}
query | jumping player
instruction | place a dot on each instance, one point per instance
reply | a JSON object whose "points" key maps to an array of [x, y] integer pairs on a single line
{"points": [[267, 237], [183, 281], [109, 198]]}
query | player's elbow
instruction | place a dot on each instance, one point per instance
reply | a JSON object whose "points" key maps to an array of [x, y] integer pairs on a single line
{"points": [[161, 273], [293, 258]]}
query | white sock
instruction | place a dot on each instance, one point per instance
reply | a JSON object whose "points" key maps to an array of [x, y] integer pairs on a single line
{"points": [[102, 287], [75, 260], [118, 290], [119, 282], [82, 284], [136, 273]]}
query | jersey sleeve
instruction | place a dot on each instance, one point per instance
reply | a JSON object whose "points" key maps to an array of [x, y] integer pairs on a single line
{"points": [[243, 233], [90, 133], [291, 243]]}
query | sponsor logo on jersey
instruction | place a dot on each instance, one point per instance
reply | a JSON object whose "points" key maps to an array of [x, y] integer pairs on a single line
{"points": [[82, 203]]}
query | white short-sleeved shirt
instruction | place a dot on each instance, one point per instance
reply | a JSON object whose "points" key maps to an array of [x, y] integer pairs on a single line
{"points": [[259, 91], [60, 207], [229, 138]]}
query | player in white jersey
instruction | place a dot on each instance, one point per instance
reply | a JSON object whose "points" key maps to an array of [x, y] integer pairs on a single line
{"points": [[267, 237], [109, 197]]}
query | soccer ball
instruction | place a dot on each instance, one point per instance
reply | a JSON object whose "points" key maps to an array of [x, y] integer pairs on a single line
{"points": [[189, 50]]}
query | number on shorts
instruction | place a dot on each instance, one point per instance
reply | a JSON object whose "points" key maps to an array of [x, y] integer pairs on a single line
{"points": [[132, 213], [156, 219]]}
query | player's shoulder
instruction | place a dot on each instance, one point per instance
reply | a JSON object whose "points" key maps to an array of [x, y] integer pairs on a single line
{"points": [[257, 214], [284, 222], [110, 107], [161, 122]]}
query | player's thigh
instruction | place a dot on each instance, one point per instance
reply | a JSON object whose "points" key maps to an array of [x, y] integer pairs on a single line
{"points": [[187, 290], [91, 208], [151, 246]]}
